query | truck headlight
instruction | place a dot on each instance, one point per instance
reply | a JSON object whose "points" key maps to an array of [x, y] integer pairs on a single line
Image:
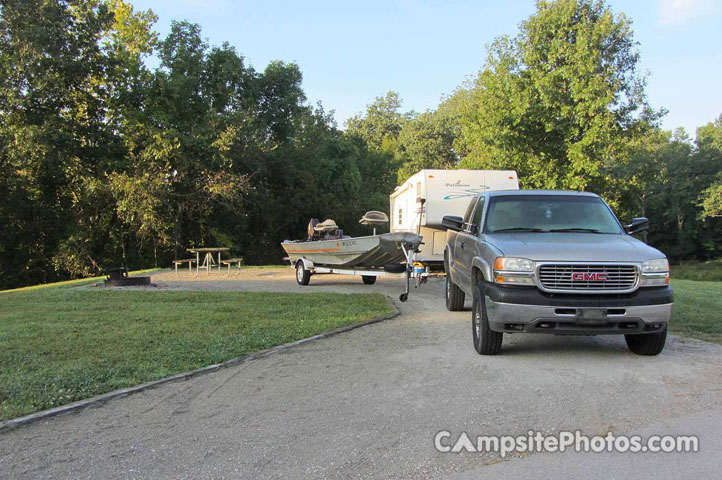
{"points": [[655, 273], [514, 271], [653, 266]]}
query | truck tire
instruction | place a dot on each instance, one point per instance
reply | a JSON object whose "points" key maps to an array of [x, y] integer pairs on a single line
{"points": [[303, 276], [368, 279], [647, 343], [454, 296], [486, 341]]}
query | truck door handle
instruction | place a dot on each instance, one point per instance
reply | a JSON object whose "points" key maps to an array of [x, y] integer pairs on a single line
{"points": [[462, 245]]}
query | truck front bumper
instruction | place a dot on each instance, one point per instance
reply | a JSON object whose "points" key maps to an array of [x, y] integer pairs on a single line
{"points": [[522, 309]]}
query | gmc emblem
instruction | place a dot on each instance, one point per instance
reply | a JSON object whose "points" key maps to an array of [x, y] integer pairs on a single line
{"points": [[584, 276]]}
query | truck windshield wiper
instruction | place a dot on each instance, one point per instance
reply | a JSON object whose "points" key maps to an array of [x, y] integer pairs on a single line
{"points": [[519, 229], [575, 229]]}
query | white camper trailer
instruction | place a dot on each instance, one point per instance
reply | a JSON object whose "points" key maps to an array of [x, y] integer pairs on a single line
{"points": [[446, 192]]}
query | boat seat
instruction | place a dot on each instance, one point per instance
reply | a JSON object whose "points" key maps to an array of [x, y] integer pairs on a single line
{"points": [[374, 217], [326, 226]]}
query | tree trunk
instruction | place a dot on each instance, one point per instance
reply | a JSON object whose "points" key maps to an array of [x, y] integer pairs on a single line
{"points": [[177, 231]]}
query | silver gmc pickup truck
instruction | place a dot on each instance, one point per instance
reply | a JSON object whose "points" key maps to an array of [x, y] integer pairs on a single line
{"points": [[556, 262]]}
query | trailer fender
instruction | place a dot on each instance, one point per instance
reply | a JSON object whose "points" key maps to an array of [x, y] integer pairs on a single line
{"points": [[307, 264]]}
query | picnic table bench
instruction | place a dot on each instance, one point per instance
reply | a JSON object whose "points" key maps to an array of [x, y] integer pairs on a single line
{"points": [[230, 262], [189, 261]]}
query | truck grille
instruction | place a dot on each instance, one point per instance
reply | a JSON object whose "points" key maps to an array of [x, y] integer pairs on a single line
{"points": [[586, 277]]}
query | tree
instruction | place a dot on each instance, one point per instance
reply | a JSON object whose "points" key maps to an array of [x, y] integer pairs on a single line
{"points": [[711, 201], [662, 180], [376, 135], [427, 141], [558, 101], [52, 130], [381, 124], [709, 149]]}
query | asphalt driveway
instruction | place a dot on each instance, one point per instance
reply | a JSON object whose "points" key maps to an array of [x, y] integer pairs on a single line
{"points": [[368, 403]]}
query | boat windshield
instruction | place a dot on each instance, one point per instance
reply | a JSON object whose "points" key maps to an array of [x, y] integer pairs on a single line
{"points": [[550, 213]]}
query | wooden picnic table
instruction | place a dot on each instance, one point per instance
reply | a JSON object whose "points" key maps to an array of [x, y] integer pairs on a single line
{"points": [[208, 260]]}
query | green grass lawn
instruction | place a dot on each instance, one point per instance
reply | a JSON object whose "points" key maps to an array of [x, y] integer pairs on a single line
{"points": [[59, 344], [697, 309], [710, 270]]}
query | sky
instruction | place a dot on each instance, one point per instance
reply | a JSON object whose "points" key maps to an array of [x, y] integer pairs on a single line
{"points": [[351, 52]]}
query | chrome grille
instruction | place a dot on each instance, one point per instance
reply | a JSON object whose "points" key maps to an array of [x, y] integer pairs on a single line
{"points": [[587, 277]]}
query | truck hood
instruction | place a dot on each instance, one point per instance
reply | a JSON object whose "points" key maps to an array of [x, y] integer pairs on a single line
{"points": [[573, 247]]}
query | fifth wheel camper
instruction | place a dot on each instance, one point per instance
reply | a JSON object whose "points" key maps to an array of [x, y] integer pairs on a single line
{"points": [[443, 192]]}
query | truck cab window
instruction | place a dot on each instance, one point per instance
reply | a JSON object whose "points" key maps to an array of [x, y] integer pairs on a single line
{"points": [[470, 210], [478, 213]]}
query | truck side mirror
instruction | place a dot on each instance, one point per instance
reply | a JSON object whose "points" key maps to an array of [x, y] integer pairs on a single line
{"points": [[638, 225], [452, 222]]}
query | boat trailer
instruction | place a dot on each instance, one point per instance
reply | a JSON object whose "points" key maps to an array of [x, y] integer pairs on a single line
{"points": [[410, 270]]}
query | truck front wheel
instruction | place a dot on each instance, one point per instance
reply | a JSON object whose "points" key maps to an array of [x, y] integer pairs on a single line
{"points": [[647, 343], [486, 341], [454, 296]]}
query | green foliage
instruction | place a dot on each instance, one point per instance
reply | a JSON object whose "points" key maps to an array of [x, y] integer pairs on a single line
{"points": [[376, 133], [709, 149], [52, 125], [712, 200], [427, 141], [381, 123], [105, 162], [558, 101], [662, 179]]}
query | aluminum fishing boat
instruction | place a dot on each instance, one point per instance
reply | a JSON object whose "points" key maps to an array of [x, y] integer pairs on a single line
{"points": [[327, 246], [328, 250]]}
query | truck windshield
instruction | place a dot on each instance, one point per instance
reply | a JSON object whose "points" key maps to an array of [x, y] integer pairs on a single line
{"points": [[550, 213]]}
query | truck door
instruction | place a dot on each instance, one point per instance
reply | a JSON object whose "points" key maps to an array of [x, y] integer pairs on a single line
{"points": [[465, 245]]}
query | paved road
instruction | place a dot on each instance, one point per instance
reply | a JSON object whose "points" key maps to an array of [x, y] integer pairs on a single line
{"points": [[368, 403]]}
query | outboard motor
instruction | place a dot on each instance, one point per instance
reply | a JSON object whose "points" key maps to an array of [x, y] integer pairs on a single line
{"points": [[312, 233]]}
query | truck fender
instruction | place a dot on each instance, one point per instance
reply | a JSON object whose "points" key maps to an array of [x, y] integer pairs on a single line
{"points": [[449, 262], [483, 266]]}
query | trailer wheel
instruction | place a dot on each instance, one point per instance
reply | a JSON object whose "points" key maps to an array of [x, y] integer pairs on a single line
{"points": [[395, 267], [303, 276], [368, 279]]}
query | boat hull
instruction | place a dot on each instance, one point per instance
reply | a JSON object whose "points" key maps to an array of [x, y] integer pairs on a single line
{"points": [[359, 252]]}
